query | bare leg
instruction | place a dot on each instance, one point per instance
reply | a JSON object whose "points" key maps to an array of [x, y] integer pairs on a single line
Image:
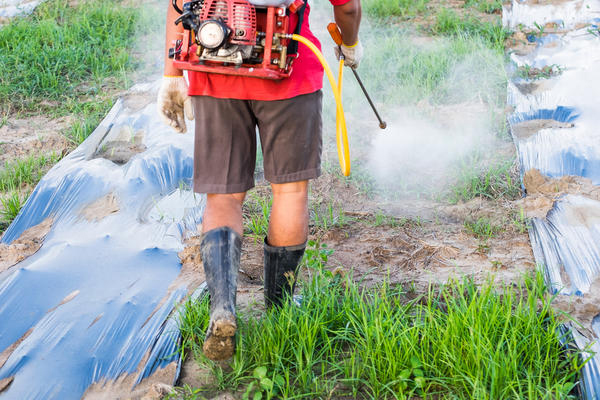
{"points": [[224, 210], [288, 225]]}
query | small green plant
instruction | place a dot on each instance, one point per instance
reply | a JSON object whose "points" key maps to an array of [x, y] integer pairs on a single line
{"points": [[520, 221], [482, 228], [262, 386], [329, 217], [540, 29], [11, 206], [485, 6], [257, 210], [528, 72]]}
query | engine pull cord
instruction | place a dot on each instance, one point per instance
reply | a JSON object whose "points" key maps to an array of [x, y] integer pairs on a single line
{"points": [[341, 134]]}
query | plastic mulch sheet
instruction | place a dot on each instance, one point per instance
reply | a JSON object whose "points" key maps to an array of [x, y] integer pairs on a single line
{"points": [[94, 308], [556, 127], [15, 8]]}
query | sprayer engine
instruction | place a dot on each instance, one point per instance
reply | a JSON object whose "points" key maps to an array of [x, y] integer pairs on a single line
{"points": [[235, 37]]}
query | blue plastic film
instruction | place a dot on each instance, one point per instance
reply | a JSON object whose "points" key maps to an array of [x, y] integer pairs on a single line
{"points": [[97, 302], [555, 126]]}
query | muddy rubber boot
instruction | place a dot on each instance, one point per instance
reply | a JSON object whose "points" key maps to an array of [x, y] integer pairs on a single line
{"points": [[281, 270], [220, 250]]}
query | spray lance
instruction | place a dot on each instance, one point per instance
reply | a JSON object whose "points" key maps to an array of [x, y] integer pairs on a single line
{"points": [[337, 38]]}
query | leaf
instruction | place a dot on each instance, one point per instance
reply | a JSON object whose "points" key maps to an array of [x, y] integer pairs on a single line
{"points": [[257, 396], [415, 362], [405, 374], [248, 391], [420, 382], [260, 372], [418, 373], [279, 381], [266, 383]]}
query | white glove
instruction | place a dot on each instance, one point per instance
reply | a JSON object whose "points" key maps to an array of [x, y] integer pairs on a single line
{"points": [[173, 101], [352, 54]]}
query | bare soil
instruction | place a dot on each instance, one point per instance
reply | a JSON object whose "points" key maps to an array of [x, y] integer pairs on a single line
{"points": [[21, 137]]}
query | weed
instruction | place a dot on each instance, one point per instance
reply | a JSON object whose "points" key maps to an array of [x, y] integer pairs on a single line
{"points": [[381, 219], [262, 385], [485, 6], [257, 210], [388, 8], [448, 22], [328, 217], [482, 228], [528, 72], [27, 171], [89, 116], [520, 221], [496, 181], [11, 206], [459, 341]]}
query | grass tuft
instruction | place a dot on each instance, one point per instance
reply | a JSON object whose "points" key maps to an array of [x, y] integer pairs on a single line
{"points": [[11, 206], [389, 8], [24, 172], [460, 341], [448, 22], [499, 180]]}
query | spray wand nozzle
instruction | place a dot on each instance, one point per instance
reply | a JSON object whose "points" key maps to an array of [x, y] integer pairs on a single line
{"points": [[336, 35]]}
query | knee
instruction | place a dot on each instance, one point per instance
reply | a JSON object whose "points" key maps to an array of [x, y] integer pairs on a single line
{"points": [[294, 189]]}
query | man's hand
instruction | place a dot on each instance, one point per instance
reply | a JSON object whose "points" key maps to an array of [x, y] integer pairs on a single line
{"points": [[352, 54], [173, 102]]}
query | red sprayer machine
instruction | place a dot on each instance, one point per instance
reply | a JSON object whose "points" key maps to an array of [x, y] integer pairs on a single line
{"points": [[235, 37]]}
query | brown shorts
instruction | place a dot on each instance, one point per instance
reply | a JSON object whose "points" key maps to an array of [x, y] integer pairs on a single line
{"points": [[225, 142]]}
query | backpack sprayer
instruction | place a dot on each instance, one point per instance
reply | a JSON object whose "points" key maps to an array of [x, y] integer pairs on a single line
{"points": [[237, 37]]}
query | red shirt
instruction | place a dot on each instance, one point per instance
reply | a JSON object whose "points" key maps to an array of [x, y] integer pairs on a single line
{"points": [[306, 77]]}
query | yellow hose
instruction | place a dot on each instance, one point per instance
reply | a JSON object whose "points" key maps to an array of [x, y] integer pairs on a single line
{"points": [[341, 133]]}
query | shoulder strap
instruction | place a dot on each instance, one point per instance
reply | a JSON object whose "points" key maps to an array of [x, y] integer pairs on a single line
{"points": [[293, 46]]}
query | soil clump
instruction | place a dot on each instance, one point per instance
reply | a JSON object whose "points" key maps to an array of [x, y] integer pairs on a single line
{"points": [[26, 245]]}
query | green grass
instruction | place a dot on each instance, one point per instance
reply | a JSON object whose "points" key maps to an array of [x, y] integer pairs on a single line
{"points": [[89, 116], [61, 52], [391, 8], [485, 6], [403, 73], [257, 209], [24, 172], [498, 180], [328, 215], [11, 205], [460, 341], [482, 228], [448, 22]]}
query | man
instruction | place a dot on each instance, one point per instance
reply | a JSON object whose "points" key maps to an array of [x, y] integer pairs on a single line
{"points": [[288, 115]]}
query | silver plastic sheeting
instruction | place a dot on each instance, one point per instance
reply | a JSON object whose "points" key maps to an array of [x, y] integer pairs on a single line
{"points": [[567, 241], [97, 301], [16, 8]]}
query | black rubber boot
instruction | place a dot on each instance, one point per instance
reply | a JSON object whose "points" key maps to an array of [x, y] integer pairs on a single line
{"points": [[281, 270], [220, 250]]}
